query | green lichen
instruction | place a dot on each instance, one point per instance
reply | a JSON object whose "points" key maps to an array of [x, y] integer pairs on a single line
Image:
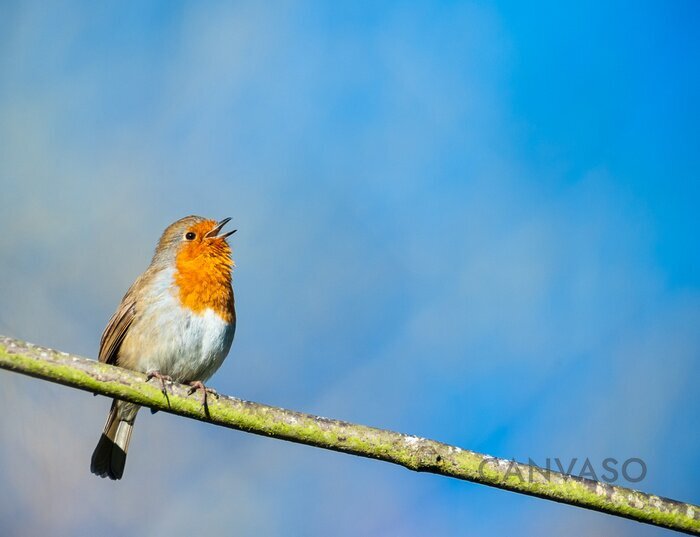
{"points": [[411, 452]]}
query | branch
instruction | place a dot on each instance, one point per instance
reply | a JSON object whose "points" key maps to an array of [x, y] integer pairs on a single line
{"points": [[412, 452]]}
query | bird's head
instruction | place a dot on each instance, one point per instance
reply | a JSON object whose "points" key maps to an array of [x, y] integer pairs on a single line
{"points": [[194, 243]]}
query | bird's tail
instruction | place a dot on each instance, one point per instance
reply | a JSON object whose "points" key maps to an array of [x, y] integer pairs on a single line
{"points": [[109, 457]]}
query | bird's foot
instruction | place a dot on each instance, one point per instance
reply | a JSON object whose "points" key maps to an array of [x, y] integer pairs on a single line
{"points": [[199, 385], [164, 380]]}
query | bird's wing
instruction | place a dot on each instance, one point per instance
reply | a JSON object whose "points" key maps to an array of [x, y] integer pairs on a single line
{"points": [[117, 328]]}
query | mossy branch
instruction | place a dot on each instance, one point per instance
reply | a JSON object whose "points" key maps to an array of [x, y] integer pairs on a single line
{"points": [[419, 454]]}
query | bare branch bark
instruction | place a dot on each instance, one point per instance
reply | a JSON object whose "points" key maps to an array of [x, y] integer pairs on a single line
{"points": [[412, 452]]}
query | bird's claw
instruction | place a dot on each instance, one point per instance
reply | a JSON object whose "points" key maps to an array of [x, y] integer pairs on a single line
{"points": [[164, 380], [199, 385]]}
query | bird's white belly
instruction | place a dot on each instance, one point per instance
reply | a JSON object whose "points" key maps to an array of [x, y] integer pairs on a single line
{"points": [[178, 342]]}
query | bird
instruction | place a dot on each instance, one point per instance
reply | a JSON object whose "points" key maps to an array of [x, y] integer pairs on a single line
{"points": [[175, 323]]}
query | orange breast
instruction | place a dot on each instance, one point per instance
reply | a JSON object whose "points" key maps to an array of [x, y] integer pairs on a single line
{"points": [[203, 276]]}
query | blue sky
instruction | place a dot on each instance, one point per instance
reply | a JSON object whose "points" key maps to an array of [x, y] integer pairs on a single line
{"points": [[474, 222]]}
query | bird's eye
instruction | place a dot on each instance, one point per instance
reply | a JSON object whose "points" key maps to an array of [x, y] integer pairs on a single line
{"points": [[190, 235]]}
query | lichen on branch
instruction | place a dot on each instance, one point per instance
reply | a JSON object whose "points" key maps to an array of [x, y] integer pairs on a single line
{"points": [[412, 452]]}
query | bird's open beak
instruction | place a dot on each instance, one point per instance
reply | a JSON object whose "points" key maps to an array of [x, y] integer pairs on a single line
{"points": [[214, 233]]}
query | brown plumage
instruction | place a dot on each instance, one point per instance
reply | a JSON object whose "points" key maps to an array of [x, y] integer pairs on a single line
{"points": [[176, 321]]}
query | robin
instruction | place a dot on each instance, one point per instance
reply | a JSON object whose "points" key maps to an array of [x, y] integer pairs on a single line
{"points": [[175, 323]]}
